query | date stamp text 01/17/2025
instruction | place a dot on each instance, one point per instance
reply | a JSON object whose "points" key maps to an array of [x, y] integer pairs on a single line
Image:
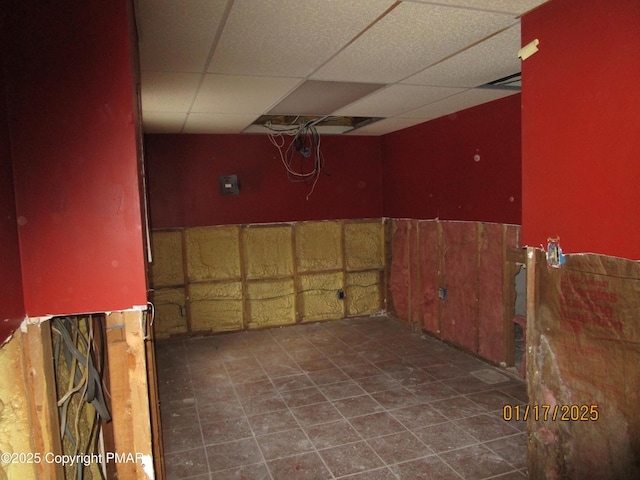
{"points": [[562, 413]]}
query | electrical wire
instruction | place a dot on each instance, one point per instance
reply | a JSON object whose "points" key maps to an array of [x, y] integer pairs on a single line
{"points": [[305, 144]]}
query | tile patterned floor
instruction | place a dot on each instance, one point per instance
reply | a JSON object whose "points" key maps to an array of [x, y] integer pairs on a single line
{"points": [[362, 398]]}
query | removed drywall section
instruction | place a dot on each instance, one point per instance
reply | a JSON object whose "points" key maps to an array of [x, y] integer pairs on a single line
{"points": [[267, 251], [215, 307], [319, 297], [15, 430], [364, 245], [318, 246], [213, 253], [451, 278], [270, 303], [363, 292], [167, 268], [583, 358], [238, 277]]}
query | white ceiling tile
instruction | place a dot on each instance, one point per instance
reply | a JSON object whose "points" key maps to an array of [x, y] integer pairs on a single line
{"points": [[410, 38], [395, 100], [315, 97], [492, 59], [177, 35], [240, 94], [168, 92], [385, 126], [217, 123], [163, 122], [289, 37], [516, 7], [467, 99]]}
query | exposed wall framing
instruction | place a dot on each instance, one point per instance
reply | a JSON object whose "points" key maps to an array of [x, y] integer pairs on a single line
{"points": [[456, 281], [583, 358], [237, 277]]}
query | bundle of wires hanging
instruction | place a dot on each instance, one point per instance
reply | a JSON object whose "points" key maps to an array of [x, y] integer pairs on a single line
{"points": [[304, 146]]}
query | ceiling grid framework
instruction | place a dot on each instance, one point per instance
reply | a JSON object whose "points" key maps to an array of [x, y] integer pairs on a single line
{"points": [[217, 66]]}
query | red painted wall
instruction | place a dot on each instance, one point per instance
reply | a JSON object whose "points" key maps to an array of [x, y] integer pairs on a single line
{"points": [[69, 84], [430, 171], [580, 141], [11, 301], [183, 173]]}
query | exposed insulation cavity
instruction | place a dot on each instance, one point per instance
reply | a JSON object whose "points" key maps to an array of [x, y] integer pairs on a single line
{"points": [[170, 312], [15, 432], [362, 293], [216, 307], [364, 245], [268, 252], [319, 296], [270, 303], [318, 246], [167, 268], [213, 253]]}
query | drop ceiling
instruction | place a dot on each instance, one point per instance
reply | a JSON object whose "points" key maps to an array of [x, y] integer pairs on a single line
{"points": [[218, 66]]}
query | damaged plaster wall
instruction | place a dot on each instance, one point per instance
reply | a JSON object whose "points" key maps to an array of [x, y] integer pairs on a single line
{"points": [[15, 430], [583, 358], [235, 277]]}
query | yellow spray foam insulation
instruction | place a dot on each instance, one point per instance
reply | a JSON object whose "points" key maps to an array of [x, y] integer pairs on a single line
{"points": [[167, 268], [318, 296], [216, 307], [170, 312], [15, 431], [213, 253], [270, 303], [362, 293], [364, 245], [268, 252], [318, 246]]}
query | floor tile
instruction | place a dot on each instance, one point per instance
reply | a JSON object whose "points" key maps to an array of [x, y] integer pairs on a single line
{"points": [[316, 414], [349, 459], [376, 424], [360, 399], [357, 406], [306, 466], [272, 422], [486, 427], [284, 444], [476, 462], [186, 464], [443, 437], [332, 434], [426, 468], [399, 447], [239, 453]]}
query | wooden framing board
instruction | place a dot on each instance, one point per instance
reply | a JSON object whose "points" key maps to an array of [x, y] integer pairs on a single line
{"points": [[41, 385], [129, 389]]}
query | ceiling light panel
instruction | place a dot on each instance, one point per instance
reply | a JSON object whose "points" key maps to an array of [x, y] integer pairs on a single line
{"points": [[175, 38], [467, 99], [168, 92], [289, 37], [515, 7], [216, 123], [395, 100], [241, 94], [493, 58], [410, 38], [315, 97]]}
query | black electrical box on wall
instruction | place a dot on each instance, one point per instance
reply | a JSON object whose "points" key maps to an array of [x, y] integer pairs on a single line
{"points": [[229, 185]]}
